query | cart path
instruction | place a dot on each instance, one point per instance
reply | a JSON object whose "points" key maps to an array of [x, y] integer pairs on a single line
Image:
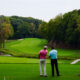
{"points": [[75, 61]]}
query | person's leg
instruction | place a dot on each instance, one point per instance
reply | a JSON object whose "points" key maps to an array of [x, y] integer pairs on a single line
{"points": [[56, 65], [45, 68], [52, 65], [41, 68]]}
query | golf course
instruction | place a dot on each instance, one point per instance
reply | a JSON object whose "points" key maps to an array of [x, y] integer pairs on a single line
{"points": [[30, 47], [40, 40], [23, 63]]}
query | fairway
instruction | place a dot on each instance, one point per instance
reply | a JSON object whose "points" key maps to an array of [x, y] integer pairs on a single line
{"points": [[27, 45], [32, 46], [31, 72]]}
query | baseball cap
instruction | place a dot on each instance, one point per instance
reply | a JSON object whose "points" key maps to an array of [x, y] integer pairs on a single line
{"points": [[45, 46]]}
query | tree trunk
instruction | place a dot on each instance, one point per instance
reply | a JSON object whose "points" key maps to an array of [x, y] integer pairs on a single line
{"points": [[0, 45], [52, 43], [3, 43]]}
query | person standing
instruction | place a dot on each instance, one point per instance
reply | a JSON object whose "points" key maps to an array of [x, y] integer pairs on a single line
{"points": [[53, 57], [42, 57]]}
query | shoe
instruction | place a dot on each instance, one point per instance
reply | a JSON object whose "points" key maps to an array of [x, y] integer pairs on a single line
{"points": [[58, 75], [52, 75], [41, 75], [45, 75]]}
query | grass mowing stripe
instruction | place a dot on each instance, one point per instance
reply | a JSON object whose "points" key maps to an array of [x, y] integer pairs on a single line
{"points": [[31, 72], [28, 45], [7, 59]]}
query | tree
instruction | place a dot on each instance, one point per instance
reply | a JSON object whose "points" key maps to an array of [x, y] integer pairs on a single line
{"points": [[23, 30], [16, 21], [6, 30], [32, 30], [63, 29], [42, 30]]}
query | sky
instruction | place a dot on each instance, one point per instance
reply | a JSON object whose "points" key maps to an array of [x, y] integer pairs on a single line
{"points": [[40, 9]]}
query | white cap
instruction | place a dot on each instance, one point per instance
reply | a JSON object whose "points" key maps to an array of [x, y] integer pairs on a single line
{"points": [[45, 46]]}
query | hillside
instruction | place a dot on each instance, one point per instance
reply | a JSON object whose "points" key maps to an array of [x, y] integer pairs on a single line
{"points": [[26, 45], [30, 47]]}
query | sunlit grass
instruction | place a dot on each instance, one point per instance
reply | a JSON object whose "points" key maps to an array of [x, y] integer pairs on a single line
{"points": [[32, 46]]}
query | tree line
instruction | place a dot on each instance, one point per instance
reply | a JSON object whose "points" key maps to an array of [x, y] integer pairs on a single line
{"points": [[63, 31], [16, 27], [24, 27]]}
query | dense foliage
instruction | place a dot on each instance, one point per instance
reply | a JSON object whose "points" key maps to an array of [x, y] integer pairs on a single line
{"points": [[24, 27], [6, 30], [63, 30]]}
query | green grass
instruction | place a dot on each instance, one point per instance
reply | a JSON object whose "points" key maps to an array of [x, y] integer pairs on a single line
{"points": [[30, 47], [19, 68], [17, 60], [16, 68], [78, 63], [31, 72]]}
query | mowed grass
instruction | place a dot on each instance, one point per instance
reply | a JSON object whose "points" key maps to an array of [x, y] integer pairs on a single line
{"points": [[31, 72], [16, 68], [27, 45], [34, 45], [18, 60], [19, 68]]}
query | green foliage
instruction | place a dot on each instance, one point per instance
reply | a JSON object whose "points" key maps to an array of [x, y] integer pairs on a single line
{"points": [[64, 29], [43, 30], [6, 29], [23, 30], [55, 29], [29, 25]]}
